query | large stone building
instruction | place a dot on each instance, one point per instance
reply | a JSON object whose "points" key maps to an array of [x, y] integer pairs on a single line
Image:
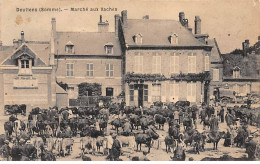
{"points": [[146, 59], [163, 60]]}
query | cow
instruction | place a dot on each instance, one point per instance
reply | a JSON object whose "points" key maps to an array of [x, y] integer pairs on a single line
{"points": [[145, 138], [169, 143], [160, 120], [8, 127]]}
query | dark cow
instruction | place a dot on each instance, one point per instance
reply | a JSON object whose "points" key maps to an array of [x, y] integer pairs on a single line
{"points": [[169, 143], [146, 138], [160, 120]]}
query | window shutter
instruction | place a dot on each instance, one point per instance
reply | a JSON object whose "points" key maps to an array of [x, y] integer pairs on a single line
{"points": [[206, 63]]}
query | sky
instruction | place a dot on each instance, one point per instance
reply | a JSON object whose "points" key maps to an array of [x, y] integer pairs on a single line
{"points": [[229, 21]]}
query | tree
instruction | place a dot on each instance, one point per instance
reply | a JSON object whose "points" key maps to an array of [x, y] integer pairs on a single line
{"points": [[89, 89]]}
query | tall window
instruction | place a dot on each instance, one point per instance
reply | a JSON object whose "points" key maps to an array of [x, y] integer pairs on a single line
{"points": [[70, 69], [192, 63], [145, 92], [207, 63], [215, 75], [131, 92], [109, 70], [156, 64], [175, 91], [248, 88], [191, 94], [156, 92], [138, 63], [175, 64], [25, 64], [90, 70]]}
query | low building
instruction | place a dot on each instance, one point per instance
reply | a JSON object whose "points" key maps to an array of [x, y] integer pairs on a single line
{"points": [[27, 75], [92, 57]]}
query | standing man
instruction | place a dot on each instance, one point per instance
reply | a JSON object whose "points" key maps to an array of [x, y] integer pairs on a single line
{"points": [[251, 146], [116, 148], [214, 123]]}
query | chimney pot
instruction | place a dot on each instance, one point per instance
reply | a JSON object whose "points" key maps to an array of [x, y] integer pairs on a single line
{"points": [[197, 22], [146, 17], [103, 26], [100, 18], [181, 17], [124, 17], [22, 36], [117, 17]]}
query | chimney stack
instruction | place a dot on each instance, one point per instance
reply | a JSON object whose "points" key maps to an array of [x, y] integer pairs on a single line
{"points": [[245, 46], [181, 17], [15, 44], [22, 36], [258, 38], [53, 27], [1, 45], [124, 17], [117, 17], [102, 26], [197, 22]]}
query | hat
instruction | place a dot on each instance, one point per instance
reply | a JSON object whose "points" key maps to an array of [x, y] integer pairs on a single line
{"points": [[6, 141], [21, 140], [114, 135], [251, 136], [92, 126], [28, 142]]}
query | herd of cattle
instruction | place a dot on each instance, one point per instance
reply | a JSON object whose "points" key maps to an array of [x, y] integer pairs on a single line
{"points": [[48, 133]]}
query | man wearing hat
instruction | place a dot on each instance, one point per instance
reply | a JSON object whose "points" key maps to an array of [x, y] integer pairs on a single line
{"points": [[251, 146], [116, 148], [6, 150]]}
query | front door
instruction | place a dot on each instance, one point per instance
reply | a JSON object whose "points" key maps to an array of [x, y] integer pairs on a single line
{"points": [[140, 97], [109, 91]]}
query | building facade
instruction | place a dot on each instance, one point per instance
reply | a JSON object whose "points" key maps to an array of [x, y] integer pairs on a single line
{"points": [[146, 59], [163, 61], [27, 75], [92, 57]]}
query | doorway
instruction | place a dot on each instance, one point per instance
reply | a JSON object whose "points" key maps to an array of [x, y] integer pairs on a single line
{"points": [[109, 91], [140, 97]]}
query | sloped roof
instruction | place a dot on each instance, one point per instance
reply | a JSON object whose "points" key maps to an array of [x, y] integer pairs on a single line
{"points": [[5, 52], [157, 32], [246, 64], [87, 43], [215, 53], [41, 50], [60, 90]]}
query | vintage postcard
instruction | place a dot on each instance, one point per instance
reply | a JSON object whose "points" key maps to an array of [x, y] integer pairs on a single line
{"points": [[129, 80]]}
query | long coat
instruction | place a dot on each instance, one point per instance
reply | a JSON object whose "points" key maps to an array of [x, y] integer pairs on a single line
{"points": [[116, 149]]}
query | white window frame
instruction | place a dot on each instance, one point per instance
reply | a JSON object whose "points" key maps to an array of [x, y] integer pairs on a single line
{"points": [[69, 49], [175, 91], [191, 91], [112, 50], [138, 63], [157, 64], [138, 39], [109, 70], [175, 64], [215, 75], [192, 63], [156, 92], [70, 70], [89, 70], [174, 39], [236, 74], [207, 63]]}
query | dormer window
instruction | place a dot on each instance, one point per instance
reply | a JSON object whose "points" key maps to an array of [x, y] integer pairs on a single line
{"points": [[174, 39], [69, 48], [138, 38], [236, 72], [109, 48], [25, 64]]}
